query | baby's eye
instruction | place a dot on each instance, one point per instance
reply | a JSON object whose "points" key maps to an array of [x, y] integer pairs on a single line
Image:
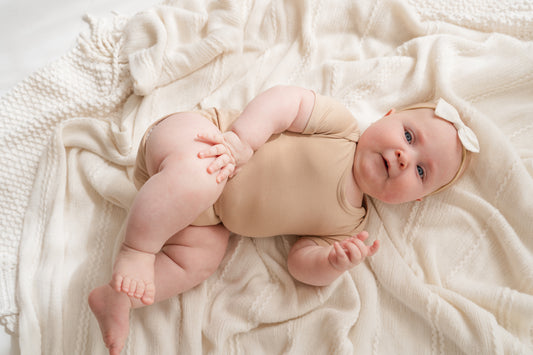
{"points": [[408, 136], [420, 171]]}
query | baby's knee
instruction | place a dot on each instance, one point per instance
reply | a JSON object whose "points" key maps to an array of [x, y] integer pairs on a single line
{"points": [[176, 137]]}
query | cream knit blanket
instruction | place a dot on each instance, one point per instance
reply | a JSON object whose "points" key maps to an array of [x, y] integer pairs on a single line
{"points": [[455, 271]]}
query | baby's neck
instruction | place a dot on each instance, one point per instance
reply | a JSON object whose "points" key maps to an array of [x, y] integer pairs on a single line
{"points": [[354, 195]]}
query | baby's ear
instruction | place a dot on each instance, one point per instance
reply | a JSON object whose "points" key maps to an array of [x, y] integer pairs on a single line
{"points": [[391, 111]]}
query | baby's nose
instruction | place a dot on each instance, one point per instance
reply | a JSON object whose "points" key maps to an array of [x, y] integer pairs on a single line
{"points": [[403, 160]]}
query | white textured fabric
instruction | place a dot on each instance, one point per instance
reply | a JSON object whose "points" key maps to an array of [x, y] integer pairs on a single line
{"points": [[454, 273], [90, 81]]}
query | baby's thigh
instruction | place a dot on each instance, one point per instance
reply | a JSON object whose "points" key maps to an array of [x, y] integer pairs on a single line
{"points": [[176, 138]]}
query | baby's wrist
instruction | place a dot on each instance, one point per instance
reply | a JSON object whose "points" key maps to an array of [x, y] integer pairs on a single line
{"points": [[240, 149], [244, 144]]}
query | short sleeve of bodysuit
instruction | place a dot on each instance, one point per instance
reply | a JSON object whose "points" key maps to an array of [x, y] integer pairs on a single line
{"points": [[331, 118]]}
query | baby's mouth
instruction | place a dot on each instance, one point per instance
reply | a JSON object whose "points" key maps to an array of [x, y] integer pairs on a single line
{"points": [[386, 163]]}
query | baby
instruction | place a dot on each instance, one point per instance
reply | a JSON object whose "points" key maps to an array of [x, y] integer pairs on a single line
{"points": [[293, 162]]}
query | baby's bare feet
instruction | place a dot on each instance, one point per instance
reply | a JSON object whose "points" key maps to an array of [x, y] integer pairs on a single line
{"points": [[133, 274], [111, 309]]}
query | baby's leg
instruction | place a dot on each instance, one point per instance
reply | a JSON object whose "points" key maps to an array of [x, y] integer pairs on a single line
{"points": [[187, 259], [178, 190]]}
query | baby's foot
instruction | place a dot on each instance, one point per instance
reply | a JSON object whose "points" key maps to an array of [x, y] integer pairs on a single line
{"points": [[112, 310], [133, 274]]}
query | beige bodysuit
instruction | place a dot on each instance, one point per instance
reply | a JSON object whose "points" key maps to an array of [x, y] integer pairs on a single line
{"points": [[294, 183]]}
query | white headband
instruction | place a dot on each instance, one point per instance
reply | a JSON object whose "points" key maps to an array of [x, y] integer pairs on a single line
{"points": [[467, 137]]}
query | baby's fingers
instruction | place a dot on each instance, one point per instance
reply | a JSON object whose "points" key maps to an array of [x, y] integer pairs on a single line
{"points": [[225, 173], [337, 255], [373, 248], [334, 251], [363, 235], [213, 151], [219, 163], [355, 251], [358, 250], [211, 138], [363, 249]]}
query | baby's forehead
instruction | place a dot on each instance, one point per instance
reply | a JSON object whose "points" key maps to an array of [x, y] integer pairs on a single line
{"points": [[417, 116], [425, 120], [424, 110]]}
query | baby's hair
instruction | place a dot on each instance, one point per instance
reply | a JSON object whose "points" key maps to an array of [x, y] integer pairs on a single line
{"points": [[465, 155]]}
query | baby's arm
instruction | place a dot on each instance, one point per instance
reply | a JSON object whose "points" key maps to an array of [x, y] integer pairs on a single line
{"points": [[281, 108], [320, 266], [278, 109]]}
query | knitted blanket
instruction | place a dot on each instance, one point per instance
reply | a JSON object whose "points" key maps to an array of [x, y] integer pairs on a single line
{"points": [[454, 273]]}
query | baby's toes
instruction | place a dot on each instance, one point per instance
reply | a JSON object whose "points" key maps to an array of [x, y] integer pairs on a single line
{"points": [[139, 291], [116, 283], [149, 294], [132, 288], [126, 284]]}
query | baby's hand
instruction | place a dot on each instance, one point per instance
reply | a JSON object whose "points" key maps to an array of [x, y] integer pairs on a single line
{"points": [[229, 151], [350, 252]]}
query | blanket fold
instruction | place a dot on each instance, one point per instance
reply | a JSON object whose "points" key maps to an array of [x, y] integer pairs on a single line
{"points": [[158, 54], [455, 271]]}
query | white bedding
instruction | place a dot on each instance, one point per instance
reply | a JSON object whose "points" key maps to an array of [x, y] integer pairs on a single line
{"points": [[34, 33], [455, 271]]}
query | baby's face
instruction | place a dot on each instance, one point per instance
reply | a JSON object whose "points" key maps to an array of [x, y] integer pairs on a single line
{"points": [[406, 155]]}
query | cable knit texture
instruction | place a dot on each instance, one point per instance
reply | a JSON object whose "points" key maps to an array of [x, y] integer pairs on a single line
{"points": [[454, 274], [91, 81]]}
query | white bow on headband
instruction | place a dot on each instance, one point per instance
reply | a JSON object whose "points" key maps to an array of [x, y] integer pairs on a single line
{"points": [[467, 137]]}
